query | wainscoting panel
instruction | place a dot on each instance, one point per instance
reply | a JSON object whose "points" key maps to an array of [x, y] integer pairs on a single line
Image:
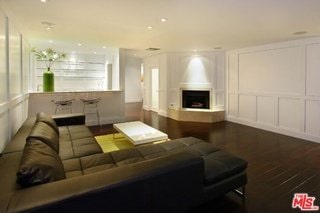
{"points": [[13, 98], [15, 72], [313, 117], [3, 71], [266, 110], [219, 79], [4, 130], [16, 114], [272, 71], [233, 105], [313, 70], [233, 72], [219, 99], [290, 113], [248, 107], [283, 79]]}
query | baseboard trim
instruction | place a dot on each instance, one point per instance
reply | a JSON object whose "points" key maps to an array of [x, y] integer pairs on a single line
{"points": [[163, 113], [276, 129]]}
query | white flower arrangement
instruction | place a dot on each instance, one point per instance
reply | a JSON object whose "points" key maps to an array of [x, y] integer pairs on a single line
{"points": [[49, 56]]}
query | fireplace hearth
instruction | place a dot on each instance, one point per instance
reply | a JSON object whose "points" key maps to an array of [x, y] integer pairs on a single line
{"points": [[196, 99]]}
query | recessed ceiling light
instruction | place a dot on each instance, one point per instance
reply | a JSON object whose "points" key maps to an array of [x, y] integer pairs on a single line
{"points": [[104, 47], [47, 25], [50, 41], [43, 1], [163, 19], [79, 44], [194, 50], [153, 49], [300, 32], [94, 52], [149, 27]]}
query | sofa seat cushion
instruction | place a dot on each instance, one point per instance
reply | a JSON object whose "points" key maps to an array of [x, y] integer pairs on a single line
{"points": [[83, 141], [87, 149], [96, 163], [153, 151], [126, 156], [89, 164], [77, 141], [72, 167], [39, 164], [79, 131]]}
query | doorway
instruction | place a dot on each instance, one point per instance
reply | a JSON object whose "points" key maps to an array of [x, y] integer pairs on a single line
{"points": [[155, 89]]}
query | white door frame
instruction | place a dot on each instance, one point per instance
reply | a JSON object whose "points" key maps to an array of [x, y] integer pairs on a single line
{"points": [[154, 108]]}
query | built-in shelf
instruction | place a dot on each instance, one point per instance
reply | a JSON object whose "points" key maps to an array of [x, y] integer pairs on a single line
{"points": [[78, 72]]}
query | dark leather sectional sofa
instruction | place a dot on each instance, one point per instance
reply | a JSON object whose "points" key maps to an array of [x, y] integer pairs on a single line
{"points": [[63, 169]]}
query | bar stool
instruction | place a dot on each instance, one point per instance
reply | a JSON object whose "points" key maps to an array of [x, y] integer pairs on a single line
{"points": [[90, 108], [63, 105]]}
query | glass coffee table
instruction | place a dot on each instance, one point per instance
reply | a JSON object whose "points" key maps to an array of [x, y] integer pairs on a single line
{"points": [[139, 133]]}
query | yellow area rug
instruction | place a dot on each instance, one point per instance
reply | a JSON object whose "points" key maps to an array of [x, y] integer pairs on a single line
{"points": [[109, 144]]}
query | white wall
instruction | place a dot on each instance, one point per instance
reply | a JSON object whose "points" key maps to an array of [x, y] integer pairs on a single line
{"points": [[14, 72], [200, 70], [133, 79], [276, 87]]}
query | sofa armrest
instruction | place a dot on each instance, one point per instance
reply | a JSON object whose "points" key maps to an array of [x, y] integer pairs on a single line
{"points": [[69, 119], [171, 183]]}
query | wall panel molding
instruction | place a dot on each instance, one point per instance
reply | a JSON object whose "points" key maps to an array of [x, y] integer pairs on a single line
{"points": [[13, 100], [284, 79]]}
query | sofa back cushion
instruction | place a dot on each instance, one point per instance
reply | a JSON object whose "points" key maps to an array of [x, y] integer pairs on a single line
{"points": [[46, 134], [42, 117], [39, 164]]}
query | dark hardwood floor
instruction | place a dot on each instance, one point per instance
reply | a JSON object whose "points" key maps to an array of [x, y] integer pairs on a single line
{"points": [[278, 165]]}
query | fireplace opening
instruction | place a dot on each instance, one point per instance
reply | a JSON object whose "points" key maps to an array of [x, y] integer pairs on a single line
{"points": [[196, 99]]}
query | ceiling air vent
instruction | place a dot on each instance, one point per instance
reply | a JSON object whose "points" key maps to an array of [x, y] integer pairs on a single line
{"points": [[153, 49]]}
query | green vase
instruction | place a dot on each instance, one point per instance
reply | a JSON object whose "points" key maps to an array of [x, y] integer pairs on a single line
{"points": [[48, 81]]}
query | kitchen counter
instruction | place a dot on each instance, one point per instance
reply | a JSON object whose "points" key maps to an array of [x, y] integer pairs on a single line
{"points": [[111, 106]]}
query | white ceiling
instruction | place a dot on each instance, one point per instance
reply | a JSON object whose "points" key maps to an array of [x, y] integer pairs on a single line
{"points": [[192, 24]]}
